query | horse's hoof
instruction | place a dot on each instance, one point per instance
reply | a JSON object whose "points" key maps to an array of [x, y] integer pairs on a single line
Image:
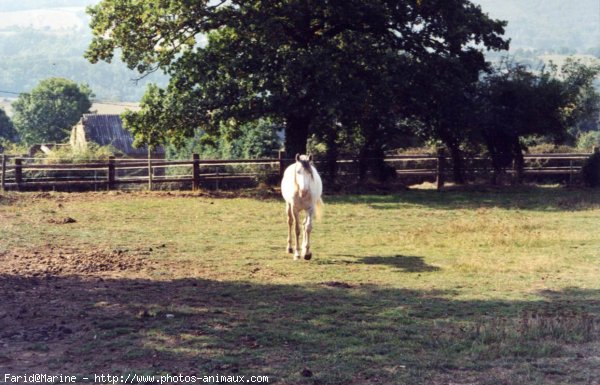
{"points": [[308, 256], [290, 250], [296, 257]]}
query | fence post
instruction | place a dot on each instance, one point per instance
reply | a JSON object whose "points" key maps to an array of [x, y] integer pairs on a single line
{"points": [[439, 171], [515, 173], [18, 172], [570, 172], [111, 172], [196, 172], [3, 181], [280, 154], [595, 150], [149, 168]]}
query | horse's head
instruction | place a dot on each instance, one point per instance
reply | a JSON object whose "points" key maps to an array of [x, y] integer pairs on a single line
{"points": [[303, 174]]}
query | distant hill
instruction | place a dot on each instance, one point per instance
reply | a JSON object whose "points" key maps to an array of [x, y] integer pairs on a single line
{"points": [[29, 56], [98, 108], [21, 5], [48, 20], [41, 39], [46, 38], [553, 26]]}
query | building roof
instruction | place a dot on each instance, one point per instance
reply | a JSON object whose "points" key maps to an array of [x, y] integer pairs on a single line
{"points": [[108, 130]]}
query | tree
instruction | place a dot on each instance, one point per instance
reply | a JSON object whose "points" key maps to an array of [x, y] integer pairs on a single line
{"points": [[50, 110], [584, 109], [7, 129], [515, 103], [443, 102], [148, 125], [258, 139], [287, 60]]}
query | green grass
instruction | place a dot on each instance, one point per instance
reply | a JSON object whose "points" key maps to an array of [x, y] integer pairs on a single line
{"points": [[419, 287]]}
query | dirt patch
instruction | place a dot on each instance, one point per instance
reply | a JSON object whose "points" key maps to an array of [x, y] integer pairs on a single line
{"points": [[61, 221], [60, 261], [55, 297]]}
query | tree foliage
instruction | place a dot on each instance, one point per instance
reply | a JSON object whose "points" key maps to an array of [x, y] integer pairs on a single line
{"points": [[353, 75], [515, 103], [583, 109], [317, 67], [260, 139], [7, 129], [590, 171], [48, 112]]}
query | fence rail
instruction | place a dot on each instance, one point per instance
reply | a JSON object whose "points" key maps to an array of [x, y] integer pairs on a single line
{"points": [[20, 173]]}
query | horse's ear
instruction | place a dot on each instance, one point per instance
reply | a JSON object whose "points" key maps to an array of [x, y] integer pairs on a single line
{"points": [[297, 157], [310, 158]]}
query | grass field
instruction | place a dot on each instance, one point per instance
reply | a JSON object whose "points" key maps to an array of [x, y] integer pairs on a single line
{"points": [[421, 287]]}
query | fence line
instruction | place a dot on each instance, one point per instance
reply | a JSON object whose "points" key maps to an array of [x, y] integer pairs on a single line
{"points": [[26, 173]]}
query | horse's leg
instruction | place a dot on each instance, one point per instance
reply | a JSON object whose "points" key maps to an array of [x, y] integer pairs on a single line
{"points": [[296, 213], [307, 229], [290, 220]]}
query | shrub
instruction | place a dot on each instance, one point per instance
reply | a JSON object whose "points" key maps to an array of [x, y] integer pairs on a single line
{"points": [[67, 154], [550, 148], [591, 170], [10, 148], [587, 140]]}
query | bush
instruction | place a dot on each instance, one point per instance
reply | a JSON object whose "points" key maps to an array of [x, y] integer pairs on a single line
{"points": [[587, 140], [16, 149], [550, 148], [591, 171], [67, 154]]}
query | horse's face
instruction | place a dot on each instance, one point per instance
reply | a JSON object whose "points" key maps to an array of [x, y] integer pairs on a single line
{"points": [[303, 175]]}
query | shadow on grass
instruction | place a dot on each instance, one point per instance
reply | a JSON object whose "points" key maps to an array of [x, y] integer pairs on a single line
{"points": [[312, 334], [519, 198], [404, 263]]}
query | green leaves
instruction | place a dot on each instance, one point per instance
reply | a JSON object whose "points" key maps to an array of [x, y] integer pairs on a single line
{"points": [[7, 129], [516, 103], [149, 34], [50, 110], [312, 64]]}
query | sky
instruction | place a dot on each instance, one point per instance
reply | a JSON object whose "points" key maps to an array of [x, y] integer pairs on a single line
{"points": [[531, 22]]}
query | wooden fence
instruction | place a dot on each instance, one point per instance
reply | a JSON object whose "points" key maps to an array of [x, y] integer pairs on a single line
{"points": [[20, 173]]}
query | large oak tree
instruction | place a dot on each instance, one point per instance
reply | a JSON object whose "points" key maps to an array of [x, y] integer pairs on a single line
{"points": [[315, 66]]}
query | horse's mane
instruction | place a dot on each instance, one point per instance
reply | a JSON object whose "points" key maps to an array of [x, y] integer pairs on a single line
{"points": [[306, 165]]}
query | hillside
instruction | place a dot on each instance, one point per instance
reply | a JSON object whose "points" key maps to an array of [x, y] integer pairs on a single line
{"points": [[45, 38], [555, 26], [41, 39], [23, 5]]}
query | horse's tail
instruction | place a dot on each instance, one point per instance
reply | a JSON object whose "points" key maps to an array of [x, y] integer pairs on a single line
{"points": [[319, 209]]}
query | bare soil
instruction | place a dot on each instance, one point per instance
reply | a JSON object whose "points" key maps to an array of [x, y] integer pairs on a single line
{"points": [[49, 296]]}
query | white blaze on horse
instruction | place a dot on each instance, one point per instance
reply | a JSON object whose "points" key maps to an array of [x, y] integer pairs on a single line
{"points": [[301, 188]]}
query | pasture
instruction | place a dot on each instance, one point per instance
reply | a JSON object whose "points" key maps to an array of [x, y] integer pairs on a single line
{"points": [[420, 287]]}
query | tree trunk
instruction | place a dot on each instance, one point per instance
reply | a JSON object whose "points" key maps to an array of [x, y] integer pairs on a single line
{"points": [[332, 157], [380, 168], [519, 161], [296, 135], [496, 164], [363, 161], [457, 164], [371, 158]]}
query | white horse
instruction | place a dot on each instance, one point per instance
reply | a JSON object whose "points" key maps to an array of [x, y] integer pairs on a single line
{"points": [[301, 188]]}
